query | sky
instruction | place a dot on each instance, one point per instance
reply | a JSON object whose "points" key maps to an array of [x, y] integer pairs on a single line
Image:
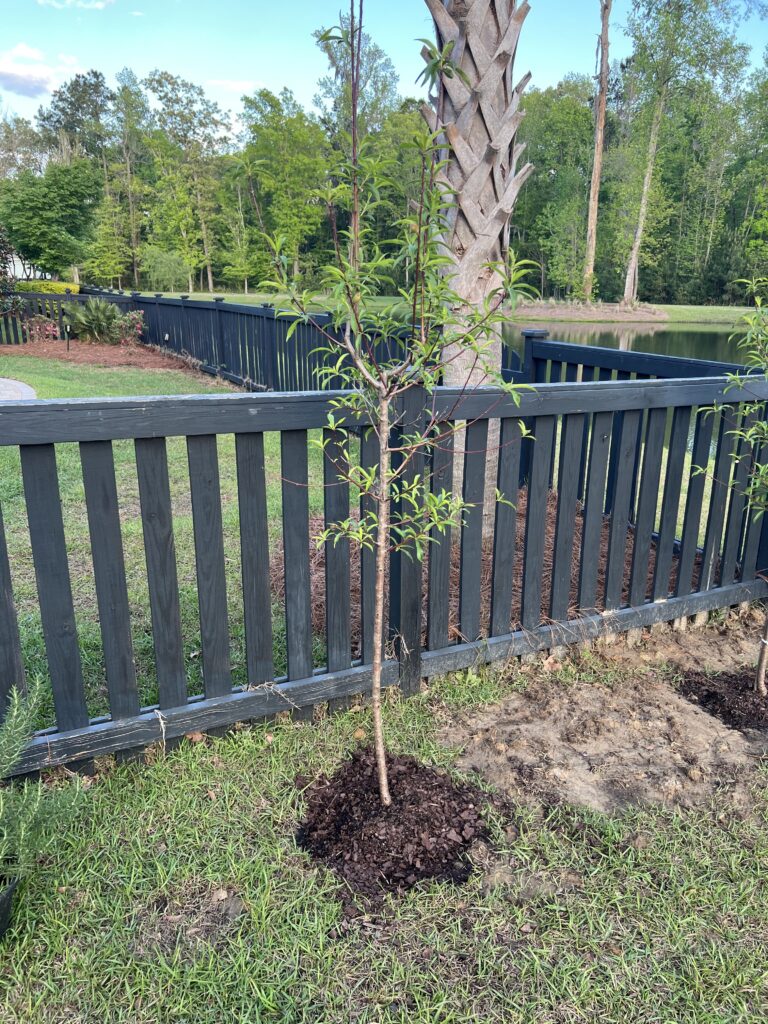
{"points": [[232, 47]]}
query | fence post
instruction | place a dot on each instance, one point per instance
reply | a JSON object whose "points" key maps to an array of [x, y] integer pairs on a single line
{"points": [[405, 591], [186, 329], [531, 335], [218, 335]]}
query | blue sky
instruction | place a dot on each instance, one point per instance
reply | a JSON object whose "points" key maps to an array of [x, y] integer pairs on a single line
{"points": [[234, 46]]}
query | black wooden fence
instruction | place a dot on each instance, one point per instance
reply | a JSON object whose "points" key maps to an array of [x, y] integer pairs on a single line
{"points": [[253, 346], [556, 569]]}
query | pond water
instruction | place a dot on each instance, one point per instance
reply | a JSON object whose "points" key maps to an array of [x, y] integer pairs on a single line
{"points": [[691, 341]]}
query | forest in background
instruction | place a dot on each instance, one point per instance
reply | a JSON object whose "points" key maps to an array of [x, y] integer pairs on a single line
{"points": [[148, 184]]}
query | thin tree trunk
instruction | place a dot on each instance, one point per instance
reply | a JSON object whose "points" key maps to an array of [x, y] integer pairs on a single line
{"points": [[762, 662], [382, 551], [597, 161], [630, 283]]}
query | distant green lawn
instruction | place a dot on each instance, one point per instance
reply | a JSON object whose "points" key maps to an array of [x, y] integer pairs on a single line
{"points": [[725, 315], [54, 379], [178, 895]]}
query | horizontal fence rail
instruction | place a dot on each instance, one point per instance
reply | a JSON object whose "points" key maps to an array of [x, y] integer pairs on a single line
{"points": [[158, 562]]}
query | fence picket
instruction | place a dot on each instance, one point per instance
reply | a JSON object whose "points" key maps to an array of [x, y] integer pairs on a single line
{"points": [[647, 503], [571, 439], [54, 589], [254, 557], [440, 550], [298, 602], [718, 498], [508, 475], [678, 442], [626, 440], [737, 507], [97, 460], [702, 443], [475, 441], [536, 521], [594, 485], [205, 490], [337, 598], [162, 577]]}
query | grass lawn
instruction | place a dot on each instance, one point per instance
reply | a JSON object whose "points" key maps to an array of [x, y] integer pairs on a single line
{"points": [[179, 896], [54, 379], [725, 315]]}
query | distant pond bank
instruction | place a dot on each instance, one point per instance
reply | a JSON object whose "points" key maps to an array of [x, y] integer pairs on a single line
{"points": [[692, 341]]}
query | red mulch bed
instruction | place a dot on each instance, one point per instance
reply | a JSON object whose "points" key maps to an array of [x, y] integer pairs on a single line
{"points": [[426, 833], [728, 696], [144, 357]]}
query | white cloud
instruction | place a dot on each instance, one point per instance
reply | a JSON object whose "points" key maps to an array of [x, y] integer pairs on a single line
{"points": [[24, 51], [25, 71], [137, 14], [238, 85], [83, 5]]}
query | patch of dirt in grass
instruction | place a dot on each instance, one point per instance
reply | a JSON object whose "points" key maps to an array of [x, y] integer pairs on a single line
{"points": [[145, 357], [728, 696], [426, 834], [197, 913], [637, 742]]}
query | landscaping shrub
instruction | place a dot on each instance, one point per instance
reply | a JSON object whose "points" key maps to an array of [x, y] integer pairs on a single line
{"points": [[101, 321], [40, 328], [48, 287]]}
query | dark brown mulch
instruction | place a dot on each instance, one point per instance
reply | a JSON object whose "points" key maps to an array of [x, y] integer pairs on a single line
{"points": [[728, 696], [426, 834]]}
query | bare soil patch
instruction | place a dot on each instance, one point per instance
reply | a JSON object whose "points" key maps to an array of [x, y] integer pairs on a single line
{"points": [[606, 747], [193, 914], [643, 737], [426, 834], [144, 357]]}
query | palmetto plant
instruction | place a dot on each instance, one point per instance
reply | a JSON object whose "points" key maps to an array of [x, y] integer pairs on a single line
{"points": [[96, 320]]}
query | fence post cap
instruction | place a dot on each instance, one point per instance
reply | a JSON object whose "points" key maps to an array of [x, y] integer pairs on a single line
{"points": [[535, 332], [67, 291], [183, 297], [218, 298], [158, 295]]}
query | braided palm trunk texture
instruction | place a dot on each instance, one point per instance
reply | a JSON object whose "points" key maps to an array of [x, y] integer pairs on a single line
{"points": [[480, 116]]}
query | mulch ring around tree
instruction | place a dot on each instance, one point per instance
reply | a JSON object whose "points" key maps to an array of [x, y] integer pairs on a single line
{"points": [[729, 696], [425, 835]]}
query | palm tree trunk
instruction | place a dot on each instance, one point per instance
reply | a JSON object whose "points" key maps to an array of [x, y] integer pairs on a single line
{"points": [[597, 162], [631, 280]]}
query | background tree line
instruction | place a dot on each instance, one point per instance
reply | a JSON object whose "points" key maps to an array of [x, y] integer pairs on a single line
{"points": [[151, 185]]}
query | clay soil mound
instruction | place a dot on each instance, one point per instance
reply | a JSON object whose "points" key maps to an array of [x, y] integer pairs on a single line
{"points": [[426, 834], [637, 742], [728, 696]]}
